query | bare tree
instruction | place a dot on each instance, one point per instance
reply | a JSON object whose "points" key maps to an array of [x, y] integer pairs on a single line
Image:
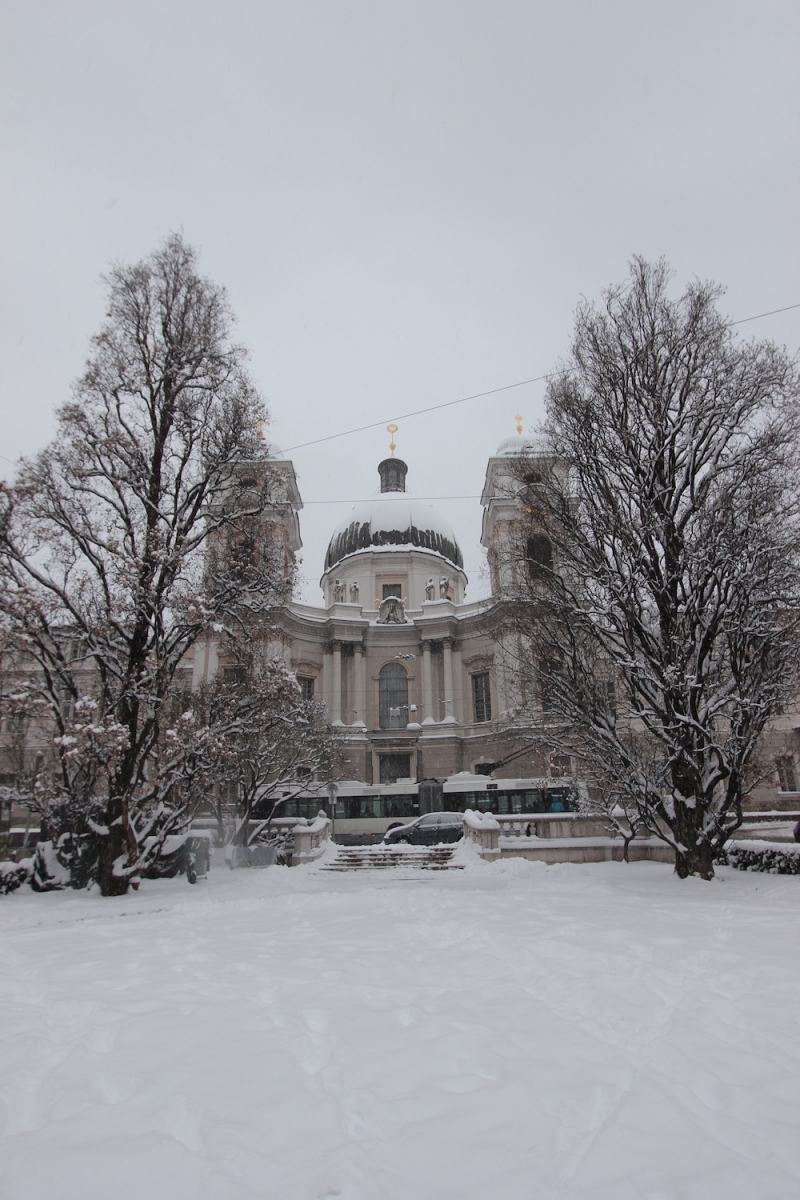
{"points": [[128, 538], [660, 601], [272, 742]]}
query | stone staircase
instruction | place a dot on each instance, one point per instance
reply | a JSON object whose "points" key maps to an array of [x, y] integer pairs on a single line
{"points": [[383, 858]]}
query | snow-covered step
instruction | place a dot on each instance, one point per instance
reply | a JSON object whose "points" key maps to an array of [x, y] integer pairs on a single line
{"points": [[382, 858]]}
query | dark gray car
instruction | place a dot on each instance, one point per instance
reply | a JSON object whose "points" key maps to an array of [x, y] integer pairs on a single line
{"points": [[429, 830]]}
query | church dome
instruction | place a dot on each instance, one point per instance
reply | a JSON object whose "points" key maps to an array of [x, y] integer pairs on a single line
{"points": [[393, 521], [517, 444]]}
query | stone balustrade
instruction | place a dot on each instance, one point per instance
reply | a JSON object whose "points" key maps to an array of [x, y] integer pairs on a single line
{"points": [[483, 830], [310, 839], [553, 825], [557, 838]]}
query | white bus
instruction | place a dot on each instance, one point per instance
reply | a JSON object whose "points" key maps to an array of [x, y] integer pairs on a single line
{"points": [[362, 812]]}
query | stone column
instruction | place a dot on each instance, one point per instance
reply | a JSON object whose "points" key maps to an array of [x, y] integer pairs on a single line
{"points": [[447, 648], [458, 687], [336, 685], [427, 692], [503, 677], [360, 673], [325, 695]]}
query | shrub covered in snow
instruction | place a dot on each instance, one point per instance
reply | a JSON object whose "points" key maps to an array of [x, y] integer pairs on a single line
{"points": [[777, 858], [49, 874], [12, 876]]}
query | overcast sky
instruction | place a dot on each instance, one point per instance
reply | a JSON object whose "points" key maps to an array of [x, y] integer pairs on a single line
{"points": [[405, 200]]}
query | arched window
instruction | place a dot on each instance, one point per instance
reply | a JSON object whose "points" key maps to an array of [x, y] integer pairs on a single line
{"points": [[393, 696], [540, 556]]}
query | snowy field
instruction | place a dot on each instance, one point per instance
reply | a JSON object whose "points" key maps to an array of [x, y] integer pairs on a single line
{"points": [[506, 1032]]}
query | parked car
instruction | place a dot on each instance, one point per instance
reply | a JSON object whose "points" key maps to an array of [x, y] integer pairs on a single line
{"points": [[429, 830]]}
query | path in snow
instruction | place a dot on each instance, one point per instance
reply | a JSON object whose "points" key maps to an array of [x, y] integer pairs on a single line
{"points": [[505, 1032]]}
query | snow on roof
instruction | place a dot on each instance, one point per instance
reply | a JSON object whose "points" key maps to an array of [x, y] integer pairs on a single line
{"points": [[393, 520], [518, 444]]}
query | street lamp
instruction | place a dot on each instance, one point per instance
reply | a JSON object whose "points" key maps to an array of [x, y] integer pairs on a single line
{"points": [[333, 788]]}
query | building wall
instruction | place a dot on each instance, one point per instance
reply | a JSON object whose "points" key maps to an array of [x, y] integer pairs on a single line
{"points": [[341, 646]]}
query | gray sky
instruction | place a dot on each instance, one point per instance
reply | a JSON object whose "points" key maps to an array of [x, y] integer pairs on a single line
{"points": [[404, 200]]}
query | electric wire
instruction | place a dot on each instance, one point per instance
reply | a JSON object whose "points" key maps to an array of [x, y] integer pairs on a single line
{"points": [[506, 387]]}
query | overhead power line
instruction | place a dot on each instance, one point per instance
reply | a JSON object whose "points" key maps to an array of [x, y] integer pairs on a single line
{"points": [[758, 316], [506, 387], [388, 499], [419, 412]]}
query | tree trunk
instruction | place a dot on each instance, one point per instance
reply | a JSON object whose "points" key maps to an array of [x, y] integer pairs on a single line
{"points": [[697, 858], [241, 834], [112, 846]]}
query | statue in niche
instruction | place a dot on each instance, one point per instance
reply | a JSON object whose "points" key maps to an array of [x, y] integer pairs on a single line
{"points": [[338, 591], [392, 611], [354, 593], [444, 587], [430, 590]]}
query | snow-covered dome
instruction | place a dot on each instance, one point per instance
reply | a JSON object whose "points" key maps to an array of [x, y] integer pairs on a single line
{"points": [[395, 520], [519, 444]]}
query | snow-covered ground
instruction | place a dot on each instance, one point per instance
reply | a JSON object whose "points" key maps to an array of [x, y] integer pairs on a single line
{"points": [[506, 1032]]}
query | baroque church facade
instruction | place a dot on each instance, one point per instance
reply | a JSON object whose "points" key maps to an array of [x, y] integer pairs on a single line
{"points": [[422, 683], [418, 680]]}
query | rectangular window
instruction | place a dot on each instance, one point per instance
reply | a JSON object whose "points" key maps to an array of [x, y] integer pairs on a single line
{"points": [[609, 695], [391, 589], [560, 764], [394, 767], [549, 679], [234, 675], [787, 774], [306, 687], [482, 697]]}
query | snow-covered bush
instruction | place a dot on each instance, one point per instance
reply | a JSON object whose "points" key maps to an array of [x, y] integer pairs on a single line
{"points": [[12, 876], [49, 874], [776, 858]]}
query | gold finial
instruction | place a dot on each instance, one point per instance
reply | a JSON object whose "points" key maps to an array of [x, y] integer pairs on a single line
{"points": [[392, 429], [518, 419]]}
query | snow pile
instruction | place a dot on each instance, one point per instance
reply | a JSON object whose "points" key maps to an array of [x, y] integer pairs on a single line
{"points": [[479, 821], [507, 1030]]}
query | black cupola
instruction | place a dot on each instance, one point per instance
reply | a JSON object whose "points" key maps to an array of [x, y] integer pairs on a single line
{"points": [[393, 473]]}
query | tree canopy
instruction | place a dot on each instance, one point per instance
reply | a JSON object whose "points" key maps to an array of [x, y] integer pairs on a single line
{"points": [[107, 575], [663, 633]]}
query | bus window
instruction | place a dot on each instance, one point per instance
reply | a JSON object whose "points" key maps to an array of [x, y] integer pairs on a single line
{"points": [[401, 806], [557, 802]]}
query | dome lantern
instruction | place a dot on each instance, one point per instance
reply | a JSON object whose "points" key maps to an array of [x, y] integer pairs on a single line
{"points": [[393, 473], [394, 521]]}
